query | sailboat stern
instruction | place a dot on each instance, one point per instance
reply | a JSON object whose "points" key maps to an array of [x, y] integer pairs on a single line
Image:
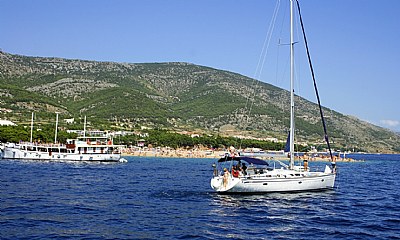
{"points": [[219, 184]]}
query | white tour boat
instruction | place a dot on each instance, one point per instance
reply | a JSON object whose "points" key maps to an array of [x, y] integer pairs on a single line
{"points": [[258, 176], [96, 149], [85, 148]]}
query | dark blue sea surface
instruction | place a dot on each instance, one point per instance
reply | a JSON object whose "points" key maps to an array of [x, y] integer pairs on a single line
{"points": [[169, 198]]}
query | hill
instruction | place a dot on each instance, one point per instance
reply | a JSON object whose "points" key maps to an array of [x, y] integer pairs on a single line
{"points": [[177, 96]]}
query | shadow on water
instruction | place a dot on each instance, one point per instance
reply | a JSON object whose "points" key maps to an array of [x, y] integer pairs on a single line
{"points": [[300, 199]]}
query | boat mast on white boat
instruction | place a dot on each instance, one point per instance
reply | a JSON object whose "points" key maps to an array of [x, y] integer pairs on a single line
{"points": [[291, 134]]}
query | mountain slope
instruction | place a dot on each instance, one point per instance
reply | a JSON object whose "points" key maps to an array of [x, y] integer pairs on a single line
{"points": [[172, 95]]}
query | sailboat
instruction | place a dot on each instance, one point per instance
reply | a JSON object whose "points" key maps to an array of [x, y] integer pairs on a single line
{"points": [[247, 174]]}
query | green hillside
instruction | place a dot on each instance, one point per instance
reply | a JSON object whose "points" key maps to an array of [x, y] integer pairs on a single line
{"points": [[177, 96]]}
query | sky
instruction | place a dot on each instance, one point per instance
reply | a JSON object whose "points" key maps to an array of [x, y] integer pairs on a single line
{"points": [[354, 44]]}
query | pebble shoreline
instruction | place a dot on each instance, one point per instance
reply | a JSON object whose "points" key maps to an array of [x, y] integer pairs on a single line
{"points": [[214, 154]]}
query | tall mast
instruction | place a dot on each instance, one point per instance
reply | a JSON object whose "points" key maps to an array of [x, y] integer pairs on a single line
{"points": [[32, 126], [55, 135], [291, 164], [84, 128]]}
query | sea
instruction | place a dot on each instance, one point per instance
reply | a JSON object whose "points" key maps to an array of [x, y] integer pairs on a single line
{"points": [[171, 198]]}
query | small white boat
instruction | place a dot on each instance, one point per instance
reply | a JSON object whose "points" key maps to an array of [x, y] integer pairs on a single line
{"points": [[97, 149]]}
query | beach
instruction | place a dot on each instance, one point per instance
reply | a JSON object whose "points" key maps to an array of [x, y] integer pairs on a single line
{"points": [[209, 153], [173, 153]]}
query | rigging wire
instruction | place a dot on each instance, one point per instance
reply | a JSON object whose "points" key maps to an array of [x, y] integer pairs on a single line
{"points": [[315, 83], [285, 11], [263, 54], [267, 41], [260, 64]]}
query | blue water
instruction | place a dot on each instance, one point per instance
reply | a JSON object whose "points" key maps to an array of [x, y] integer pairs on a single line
{"points": [[152, 198]]}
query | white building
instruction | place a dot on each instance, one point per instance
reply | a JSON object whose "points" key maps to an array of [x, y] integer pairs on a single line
{"points": [[6, 123], [69, 120]]}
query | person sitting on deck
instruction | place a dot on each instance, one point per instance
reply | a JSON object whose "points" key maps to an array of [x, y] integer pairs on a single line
{"points": [[235, 171], [244, 168]]}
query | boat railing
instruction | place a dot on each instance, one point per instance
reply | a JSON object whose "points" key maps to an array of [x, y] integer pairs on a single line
{"points": [[48, 145]]}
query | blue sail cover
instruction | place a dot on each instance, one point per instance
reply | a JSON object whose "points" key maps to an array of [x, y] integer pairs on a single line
{"points": [[255, 161], [249, 160], [287, 146]]}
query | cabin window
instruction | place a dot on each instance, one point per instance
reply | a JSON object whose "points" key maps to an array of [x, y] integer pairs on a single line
{"points": [[42, 149], [55, 150]]}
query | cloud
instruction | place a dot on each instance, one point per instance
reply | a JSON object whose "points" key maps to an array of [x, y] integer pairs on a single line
{"points": [[390, 123]]}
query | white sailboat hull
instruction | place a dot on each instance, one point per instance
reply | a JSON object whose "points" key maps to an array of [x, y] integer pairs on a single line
{"points": [[264, 184]]}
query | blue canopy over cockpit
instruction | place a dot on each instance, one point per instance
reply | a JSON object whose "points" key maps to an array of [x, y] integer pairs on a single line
{"points": [[249, 160]]}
